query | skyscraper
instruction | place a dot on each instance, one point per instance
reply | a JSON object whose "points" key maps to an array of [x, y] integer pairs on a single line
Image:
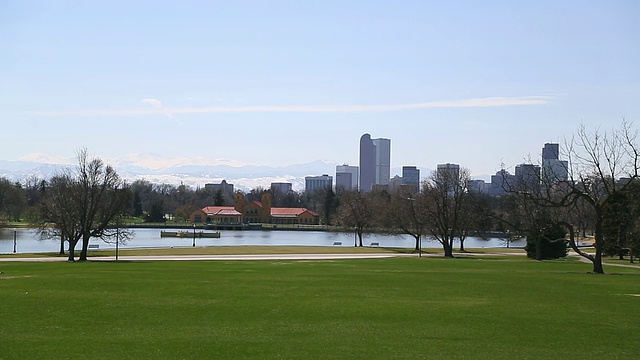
{"points": [[282, 188], [411, 176], [346, 177], [527, 177], [375, 162], [313, 183], [553, 169]]}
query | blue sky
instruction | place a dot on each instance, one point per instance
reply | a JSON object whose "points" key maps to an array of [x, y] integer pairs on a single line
{"points": [[285, 82]]}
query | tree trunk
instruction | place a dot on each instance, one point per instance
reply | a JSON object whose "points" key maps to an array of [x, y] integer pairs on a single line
{"points": [[360, 238], [417, 249], [448, 248], [462, 244], [61, 246], [72, 245], [597, 259], [85, 248], [538, 249]]}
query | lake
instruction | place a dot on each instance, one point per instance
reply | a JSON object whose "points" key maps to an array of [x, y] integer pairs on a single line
{"points": [[27, 240]]}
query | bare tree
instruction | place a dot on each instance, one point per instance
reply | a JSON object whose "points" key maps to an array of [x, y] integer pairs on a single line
{"points": [[408, 215], [446, 192], [357, 211], [58, 215], [601, 165], [84, 204]]}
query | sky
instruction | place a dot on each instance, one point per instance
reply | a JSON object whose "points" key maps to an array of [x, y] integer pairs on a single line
{"points": [[478, 83]]}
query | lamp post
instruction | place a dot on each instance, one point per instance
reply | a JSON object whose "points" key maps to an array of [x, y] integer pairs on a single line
{"points": [[117, 240], [194, 235]]}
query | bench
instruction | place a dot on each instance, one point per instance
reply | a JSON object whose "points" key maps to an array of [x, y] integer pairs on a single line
{"points": [[94, 246], [337, 243], [374, 244]]}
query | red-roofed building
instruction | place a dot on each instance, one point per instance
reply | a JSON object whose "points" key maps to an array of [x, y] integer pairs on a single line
{"points": [[254, 212], [217, 215]]}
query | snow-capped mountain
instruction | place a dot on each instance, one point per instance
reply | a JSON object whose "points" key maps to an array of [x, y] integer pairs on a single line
{"points": [[194, 172]]}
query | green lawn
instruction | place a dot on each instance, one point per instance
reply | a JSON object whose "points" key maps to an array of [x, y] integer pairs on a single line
{"points": [[402, 308]]}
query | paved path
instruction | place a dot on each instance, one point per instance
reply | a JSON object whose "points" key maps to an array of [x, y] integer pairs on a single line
{"points": [[217, 257], [280, 257]]}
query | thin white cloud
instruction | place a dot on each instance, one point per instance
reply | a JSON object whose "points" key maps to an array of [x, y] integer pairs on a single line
{"points": [[160, 109]]}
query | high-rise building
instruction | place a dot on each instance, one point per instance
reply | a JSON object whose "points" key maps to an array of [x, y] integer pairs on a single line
{"points": [[452, 170], [375, 162], [281, 188], [223, 188], [346, 177], [411, 176], [551, 151], [553, 169], [449, 175], [501, 182], [313, 183], [527, 177], [478, 186]]}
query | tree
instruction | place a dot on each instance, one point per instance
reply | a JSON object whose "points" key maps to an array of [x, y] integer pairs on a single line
{"points": [[13, 200], [408, 215], [218, 199], [547, 243], [621, 224], [156, 213], [356, 212], [329, 205], [59, 217], [602, 164], [137, 205], [84, 203], [446, 192]]}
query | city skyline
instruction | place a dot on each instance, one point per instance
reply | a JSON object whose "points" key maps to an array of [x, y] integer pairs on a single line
{"points": [[276, 84]]}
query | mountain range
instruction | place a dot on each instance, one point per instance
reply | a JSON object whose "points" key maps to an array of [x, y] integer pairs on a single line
{"points": [[193, 172]]}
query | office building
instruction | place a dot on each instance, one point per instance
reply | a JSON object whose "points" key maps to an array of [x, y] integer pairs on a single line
{"points": [[346, 177], [501, 182], [281, 188], [375, 162], [411, 176], [527, 177], [478, 186], [315, 183], [225, 189], [395, 183], [553, 169], [451, 171]]}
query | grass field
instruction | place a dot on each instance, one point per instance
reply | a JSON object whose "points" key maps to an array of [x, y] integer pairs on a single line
{"points": [[402, 308]]}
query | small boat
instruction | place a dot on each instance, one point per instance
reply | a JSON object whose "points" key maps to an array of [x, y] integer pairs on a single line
{"points": [[190, 234]]}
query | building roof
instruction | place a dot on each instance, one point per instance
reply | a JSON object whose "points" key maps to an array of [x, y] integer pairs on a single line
{"points": [[275, 212], [220, 210], [290, 212]]}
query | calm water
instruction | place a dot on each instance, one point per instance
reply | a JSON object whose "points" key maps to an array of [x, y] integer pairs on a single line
{"points": [[27, 240]]}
